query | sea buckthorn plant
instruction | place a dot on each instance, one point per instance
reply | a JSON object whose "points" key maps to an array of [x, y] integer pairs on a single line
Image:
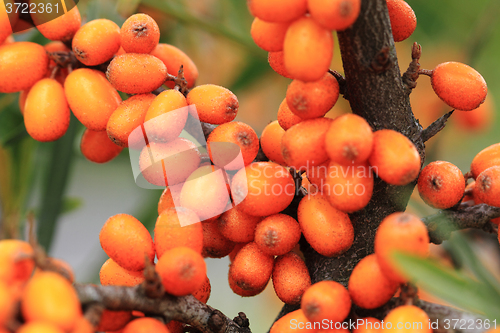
{"points": [[316, 204]]}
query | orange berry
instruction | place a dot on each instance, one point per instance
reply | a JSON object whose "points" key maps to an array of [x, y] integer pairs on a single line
{"points": [[415, 320], [290, 278], [262, 189], [83, 325], [205, 192], [328, 230], [91, 98], [458, 85], [22, 99], [349, 140], [16, 263], [277, 234], [294, 321], [277, 11], [303, 145], [167, 200], [38, 327], [97, 147], [286, 118], [145, 325], [139, 34], [49, 297], [368, 325], [174, 58], [22, 64], [7, 303], [479, 119], [399, 232], [234, 252], [238, 226], [277, 63], [267, 35], [394, 157], [215, 245], [166, 116], [202, 294], [113, 320], [170, 232], [96, 42], [62, 266], [334, 15], [112, 274], [488, 186], [136, 73], [486, 158], [174, 326], [46, 111], [6, 25], [214, 104], [441, 185], [326, 300], [126, 118], [167, 164], [403, 19], [237, 134], [270, 141], [62, 28], [307, 50], [368, 286], [349, 188], [127, 241], [312, 99], [182, 270], [251, 269], [242, 292]]}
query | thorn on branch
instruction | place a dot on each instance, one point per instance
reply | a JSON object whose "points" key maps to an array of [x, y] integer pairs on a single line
{"points": [[435, 127], [411, 75], [342, 83]]}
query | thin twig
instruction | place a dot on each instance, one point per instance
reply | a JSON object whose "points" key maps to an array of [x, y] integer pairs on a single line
{"points": [[435, 127]]}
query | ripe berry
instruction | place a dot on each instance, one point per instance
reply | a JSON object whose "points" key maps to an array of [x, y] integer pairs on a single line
{"points": [[284, 324], [46, 111], [479, 119], [238, 226], [5, 24], [262, 189], [334, 15], [252, 268], [214, 104], [145, 325], [277, 63], [96, 42], [202, 294], [286, 118], [290, 278], [97, 147], [16, 263], [50, 298], [62, 28], [349, 140], [326, 300], [403, 19], [136, 73], [182, 270], [242, 292], [317, 175], [270, 141], [267, 35], [113, 320], [303, 145], [38, 327], [320, 221], [174, 58], [369, 325], [458, 85], [441, 185], [22, 64], [126, 118], [312, 99], [170, 233], [307, 50], [215, 245], [167, 200], [368, 286], [488, 186], [228, 141], [394, 157], [139, 34], [408, 314], [486, 158], [7, 303], [277, 234], [277, 11], [112, 274], [127, 241], [399, 232], [91, 98]]}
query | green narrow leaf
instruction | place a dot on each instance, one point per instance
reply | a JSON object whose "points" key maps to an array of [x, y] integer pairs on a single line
{"points": [[127, 7], [71, 204], [450, 285]]}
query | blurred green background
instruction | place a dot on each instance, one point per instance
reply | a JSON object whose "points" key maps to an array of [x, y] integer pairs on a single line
{"points": [[72, 197]]}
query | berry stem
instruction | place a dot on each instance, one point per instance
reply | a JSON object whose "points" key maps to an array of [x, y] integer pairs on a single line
{"points": [[427, 72]]}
